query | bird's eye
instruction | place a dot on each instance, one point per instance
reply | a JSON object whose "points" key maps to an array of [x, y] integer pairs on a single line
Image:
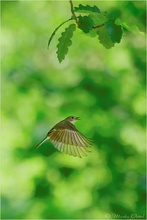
{"points": [[72, 117]]}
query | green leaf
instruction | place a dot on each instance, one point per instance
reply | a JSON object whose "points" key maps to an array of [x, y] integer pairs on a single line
{"points": [[87, 8], [85, 23], [98, 18], [115, 31], [131, 28], [65, 42], [51, 37], [105, 38], [113, 13], [93, 32]]}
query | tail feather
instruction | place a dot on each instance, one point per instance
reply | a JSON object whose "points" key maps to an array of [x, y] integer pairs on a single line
{"points": [[38, 145]]}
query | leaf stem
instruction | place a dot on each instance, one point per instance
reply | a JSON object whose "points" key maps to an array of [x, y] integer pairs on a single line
{"points": [[72, 11], [99, 26]]}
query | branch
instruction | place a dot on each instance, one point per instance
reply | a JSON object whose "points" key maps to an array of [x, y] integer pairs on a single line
{"points": [[72, 11]]}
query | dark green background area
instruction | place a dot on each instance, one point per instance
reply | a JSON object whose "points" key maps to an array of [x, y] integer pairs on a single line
{"points": [[105, 88]]}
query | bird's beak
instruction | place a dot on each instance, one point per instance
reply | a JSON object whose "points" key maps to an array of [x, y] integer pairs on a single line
{"points": [[77, 118]]}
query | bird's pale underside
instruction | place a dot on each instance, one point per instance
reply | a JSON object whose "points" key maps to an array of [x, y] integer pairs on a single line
{"points": [[66, 138]]}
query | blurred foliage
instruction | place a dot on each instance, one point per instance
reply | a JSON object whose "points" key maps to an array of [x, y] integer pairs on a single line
{"points": [[106, 88]]}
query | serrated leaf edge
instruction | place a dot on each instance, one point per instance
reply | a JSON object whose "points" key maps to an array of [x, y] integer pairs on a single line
{"points": [[69, 42]]}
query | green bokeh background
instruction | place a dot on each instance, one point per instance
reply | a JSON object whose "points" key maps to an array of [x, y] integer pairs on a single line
{"points": [[106, 88]]}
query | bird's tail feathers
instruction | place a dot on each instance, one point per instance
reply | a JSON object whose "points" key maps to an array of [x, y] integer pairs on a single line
{"points": [[38, 145]]}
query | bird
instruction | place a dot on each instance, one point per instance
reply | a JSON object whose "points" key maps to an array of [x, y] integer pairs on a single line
{"points": [[66, 138]]}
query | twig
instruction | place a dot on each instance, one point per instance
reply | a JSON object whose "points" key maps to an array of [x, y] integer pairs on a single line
{"points": [[98, 26], [72, 11], [51, 37]]}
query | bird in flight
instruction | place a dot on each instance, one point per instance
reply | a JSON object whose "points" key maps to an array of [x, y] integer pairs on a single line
{"points": [[66, 138]]}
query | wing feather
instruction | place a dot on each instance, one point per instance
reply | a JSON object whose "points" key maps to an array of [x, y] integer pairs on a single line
{"points": [[62, 147], [66, 149], [78, 153], [58, 145], [63, 136], [69, 150], [55, 135], [70, 141], [74, 151], [82, 151], [84, 139], [79, 140], [66, 137], [76, 141]]}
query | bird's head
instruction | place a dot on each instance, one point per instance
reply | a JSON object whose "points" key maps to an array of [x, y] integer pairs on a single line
{"points": [[72, 119]]}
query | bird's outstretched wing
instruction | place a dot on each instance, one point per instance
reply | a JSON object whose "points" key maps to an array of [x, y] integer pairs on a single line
{"points": [[69, 141]]}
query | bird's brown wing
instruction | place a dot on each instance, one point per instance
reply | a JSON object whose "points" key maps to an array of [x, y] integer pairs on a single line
{"points": [[69, 141]]}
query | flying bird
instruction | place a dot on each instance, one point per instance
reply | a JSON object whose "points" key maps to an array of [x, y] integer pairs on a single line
{"points": [[66, 138]]}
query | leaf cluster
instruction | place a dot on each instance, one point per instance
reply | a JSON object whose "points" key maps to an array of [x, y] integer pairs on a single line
{"points": [[107, 27]]}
